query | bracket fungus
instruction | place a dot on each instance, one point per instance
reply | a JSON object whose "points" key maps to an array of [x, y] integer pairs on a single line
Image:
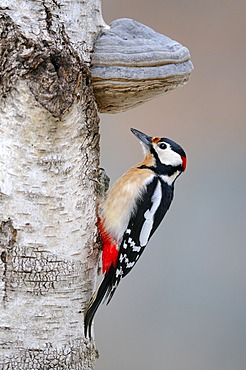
{"points": [[132, 63]]}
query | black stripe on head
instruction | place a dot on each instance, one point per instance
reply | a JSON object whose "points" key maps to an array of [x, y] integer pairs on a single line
{"points": [[174, 146], [160, 168], [163, 169], [153, 152]]}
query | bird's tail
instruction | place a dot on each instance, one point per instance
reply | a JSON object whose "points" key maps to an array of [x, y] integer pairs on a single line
{"points": [[102, 292]]}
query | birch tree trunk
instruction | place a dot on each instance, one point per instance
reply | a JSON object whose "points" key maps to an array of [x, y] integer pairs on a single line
{"points": [[49, 155]]}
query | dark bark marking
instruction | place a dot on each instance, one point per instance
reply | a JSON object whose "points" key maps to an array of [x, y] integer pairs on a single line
{"points": [[74, 355], [7, 242], [52, 70]]}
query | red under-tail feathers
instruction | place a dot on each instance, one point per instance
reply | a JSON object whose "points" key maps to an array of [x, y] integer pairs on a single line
{"points": [[109, 260], [110, 251]]}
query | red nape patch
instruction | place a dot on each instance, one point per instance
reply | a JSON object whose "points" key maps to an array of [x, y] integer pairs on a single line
{"points": [[184, 159], [110, 251]]}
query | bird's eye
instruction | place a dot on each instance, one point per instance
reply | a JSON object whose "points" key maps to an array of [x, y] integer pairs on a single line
{"points": [[162, 146]]}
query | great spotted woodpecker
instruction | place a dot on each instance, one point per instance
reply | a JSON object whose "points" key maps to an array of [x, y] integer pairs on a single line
{"points": [[132, 211]]}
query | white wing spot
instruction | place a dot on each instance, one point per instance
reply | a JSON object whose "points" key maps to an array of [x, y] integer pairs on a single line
{"points": [[126, 258], [131, 242], [149, 215], [130, 264], [136, 248], [121, 257], [119, 272]]}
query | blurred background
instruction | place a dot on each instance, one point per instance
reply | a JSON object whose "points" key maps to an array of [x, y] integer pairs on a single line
{"points": [[183, 307]]}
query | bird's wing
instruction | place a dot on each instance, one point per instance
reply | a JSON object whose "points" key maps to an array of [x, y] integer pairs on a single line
{"points": [[150, 210]]}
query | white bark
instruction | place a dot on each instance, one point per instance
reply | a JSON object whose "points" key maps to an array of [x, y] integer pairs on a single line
{"points": [[49, 154], [81, 19]]}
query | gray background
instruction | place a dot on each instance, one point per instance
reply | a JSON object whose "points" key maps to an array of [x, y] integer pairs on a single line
{"points": [[183, 307]]}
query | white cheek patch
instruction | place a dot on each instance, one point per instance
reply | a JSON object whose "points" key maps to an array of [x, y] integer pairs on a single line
{"points": [[168, 156], [149, 215]]}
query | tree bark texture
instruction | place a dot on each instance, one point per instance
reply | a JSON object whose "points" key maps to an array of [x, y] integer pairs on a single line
{"points": [[49, 156]]}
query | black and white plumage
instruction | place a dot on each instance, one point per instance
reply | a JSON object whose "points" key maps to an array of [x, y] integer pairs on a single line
{"points": [[132, 211]]}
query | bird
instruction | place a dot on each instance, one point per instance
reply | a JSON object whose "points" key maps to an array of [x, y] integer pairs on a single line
{"points": [[131, 212]]}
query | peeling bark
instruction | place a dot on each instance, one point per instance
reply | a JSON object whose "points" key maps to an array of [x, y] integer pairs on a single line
{"points": [[49, 157]]}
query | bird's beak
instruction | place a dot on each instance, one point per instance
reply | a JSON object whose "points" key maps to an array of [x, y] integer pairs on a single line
{"points": [[145, 139]]}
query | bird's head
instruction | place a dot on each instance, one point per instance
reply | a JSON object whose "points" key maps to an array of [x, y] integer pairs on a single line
{"points": [[164, 155]]}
